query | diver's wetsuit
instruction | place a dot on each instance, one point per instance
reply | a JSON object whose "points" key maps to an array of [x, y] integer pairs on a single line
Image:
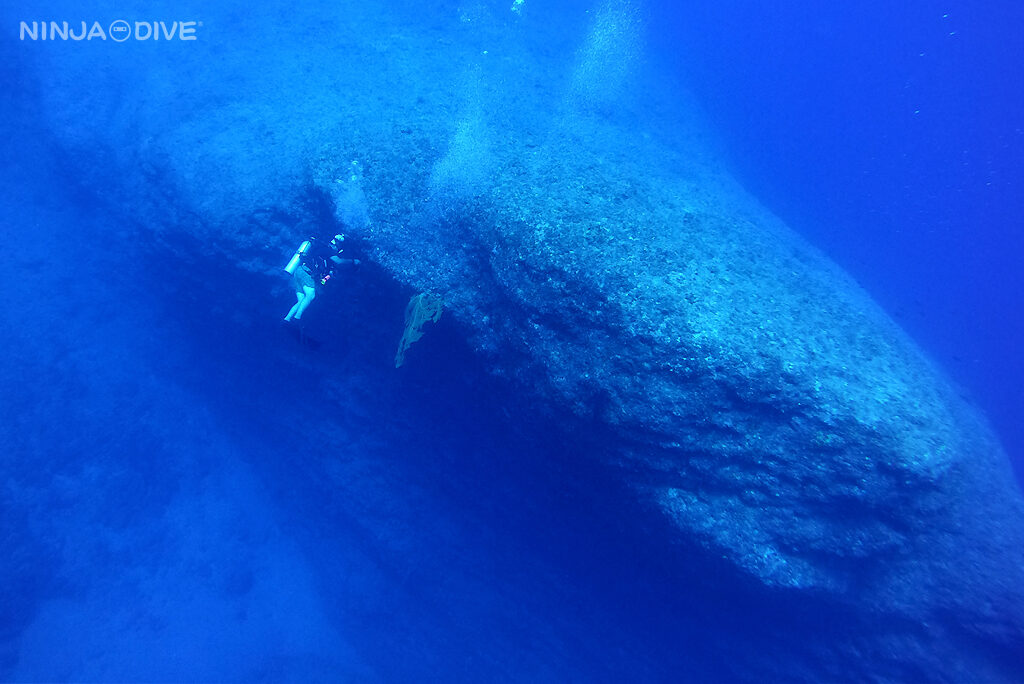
{"points": [[320, 260]]}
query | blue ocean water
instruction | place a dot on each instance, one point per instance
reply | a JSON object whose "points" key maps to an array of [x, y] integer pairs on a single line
{"points": [[892, 137], [189, 495]]}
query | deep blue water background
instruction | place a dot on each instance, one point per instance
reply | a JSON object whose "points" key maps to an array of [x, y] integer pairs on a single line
{"points": [[892, 136], [164, 482]]}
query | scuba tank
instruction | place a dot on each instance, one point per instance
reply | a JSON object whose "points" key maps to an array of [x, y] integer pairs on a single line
{"points": [[293, 263]]}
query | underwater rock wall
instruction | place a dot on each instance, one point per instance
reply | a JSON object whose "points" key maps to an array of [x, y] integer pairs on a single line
{"points": [[746, 387], [612, 273]]}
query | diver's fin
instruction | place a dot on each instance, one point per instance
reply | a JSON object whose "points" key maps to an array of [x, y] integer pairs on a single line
{"points": [[299, 333]]}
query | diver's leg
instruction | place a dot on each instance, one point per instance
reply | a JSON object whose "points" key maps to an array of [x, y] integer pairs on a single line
{"points": [[310, 295], [299, 296]]}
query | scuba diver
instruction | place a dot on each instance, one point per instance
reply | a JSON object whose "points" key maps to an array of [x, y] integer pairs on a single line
{"points": [[312, 267]]}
